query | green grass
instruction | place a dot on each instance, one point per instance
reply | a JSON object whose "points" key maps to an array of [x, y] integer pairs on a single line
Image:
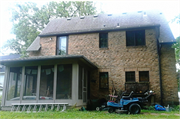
{"points": [[74, 113]]}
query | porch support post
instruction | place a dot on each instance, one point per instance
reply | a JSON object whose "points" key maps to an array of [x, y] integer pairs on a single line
{"points": [[55, 82], [22, 83], [38, 83], [75, 73], [5, 86]]}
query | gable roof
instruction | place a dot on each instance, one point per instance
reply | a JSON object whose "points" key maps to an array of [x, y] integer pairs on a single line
{"points": [[35, 46], [105, 22]]}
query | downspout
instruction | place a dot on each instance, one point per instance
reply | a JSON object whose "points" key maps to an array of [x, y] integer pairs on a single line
{"points": [[159, 46]]}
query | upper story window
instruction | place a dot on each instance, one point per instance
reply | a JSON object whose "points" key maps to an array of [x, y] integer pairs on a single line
{"points": [[103, 80], [130, 76], [144, 76], [61, 45], [135, 38], [103, 40]]}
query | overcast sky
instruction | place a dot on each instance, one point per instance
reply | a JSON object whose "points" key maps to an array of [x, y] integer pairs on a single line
{"points": [[170, 8]]}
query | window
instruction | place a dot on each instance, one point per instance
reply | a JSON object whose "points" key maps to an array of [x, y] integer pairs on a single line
{"points": [[103, 40], [30, 83], [135, 38], [62, 45], [64, 82], [144, 76], [46, 83], [130, 76], [15, 81], [103, 80]]}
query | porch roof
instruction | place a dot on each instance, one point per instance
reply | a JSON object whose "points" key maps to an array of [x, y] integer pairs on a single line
{"points": [[48, 60]]}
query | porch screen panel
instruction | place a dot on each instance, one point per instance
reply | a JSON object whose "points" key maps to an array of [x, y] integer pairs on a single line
{"points": [[46, 83], [14, 85], [30, 83], [64, 82], [80, 83]]}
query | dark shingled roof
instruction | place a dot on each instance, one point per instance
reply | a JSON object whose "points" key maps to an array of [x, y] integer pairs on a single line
{"points": [[35, 46], [47, 58], [8, 57], [106, 22]]}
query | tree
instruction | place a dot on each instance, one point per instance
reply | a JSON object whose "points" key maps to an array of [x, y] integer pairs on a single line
{"points": [[176, 19], [177, 48], [29, 20]]}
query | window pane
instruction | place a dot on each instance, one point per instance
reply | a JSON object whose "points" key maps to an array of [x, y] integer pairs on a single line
{"points": [[61, 45], [130, 38], [144, 76], [140, 37], [103, 40], [46, 83], [103, 76], [14, 83], [130, 76], [30, 83], [64, 81]]}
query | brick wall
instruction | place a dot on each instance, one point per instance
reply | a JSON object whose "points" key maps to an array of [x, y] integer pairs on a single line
{"points": [[117, 58], [48, 47], [169, 79]]}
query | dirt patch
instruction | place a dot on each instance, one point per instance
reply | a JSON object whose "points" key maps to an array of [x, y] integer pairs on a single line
{"points": [[164, 114], [177, 114], [154, 114], [146, 113]]}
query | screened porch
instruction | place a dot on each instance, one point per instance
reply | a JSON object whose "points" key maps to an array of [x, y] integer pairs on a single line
{"points": [[54, 79]]}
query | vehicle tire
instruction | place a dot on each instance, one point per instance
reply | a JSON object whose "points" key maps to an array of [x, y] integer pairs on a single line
{"points": [[134, 108], [111, 110], [97, 108]]}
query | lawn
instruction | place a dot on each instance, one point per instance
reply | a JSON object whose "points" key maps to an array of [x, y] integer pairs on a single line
{"points": [[74, 113]]}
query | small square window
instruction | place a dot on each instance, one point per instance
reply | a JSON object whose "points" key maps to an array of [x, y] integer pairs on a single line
{"points": [[103, 40], [135, 38], [103, 80], [144, 76], [130, 76]]}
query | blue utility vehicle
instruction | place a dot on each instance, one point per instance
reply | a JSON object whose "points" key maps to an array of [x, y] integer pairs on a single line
{"points": [[127, 103]]}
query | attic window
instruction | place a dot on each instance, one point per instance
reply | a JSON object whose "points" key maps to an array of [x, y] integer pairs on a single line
{"points": [[68, 18], [118, 25], [95, 16], [82, 17], [144, 14], [139, 11]]}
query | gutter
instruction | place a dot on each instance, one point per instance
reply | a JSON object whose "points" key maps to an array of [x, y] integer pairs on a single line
{"points": [[159, 46], [99, 30]]}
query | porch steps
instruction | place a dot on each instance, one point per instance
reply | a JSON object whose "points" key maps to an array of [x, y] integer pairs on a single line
{"points": [[38, 107]]}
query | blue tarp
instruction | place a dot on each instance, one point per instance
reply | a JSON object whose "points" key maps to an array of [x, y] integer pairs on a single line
{"points": [[159, 108]]}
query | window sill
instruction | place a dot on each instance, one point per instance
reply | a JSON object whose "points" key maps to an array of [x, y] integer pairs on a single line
{"points": [[140, 46], [130, 82], [103, 88], [104, 48]]}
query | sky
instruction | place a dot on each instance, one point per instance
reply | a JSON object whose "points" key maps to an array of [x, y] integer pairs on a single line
{"points": [[170, 8]]}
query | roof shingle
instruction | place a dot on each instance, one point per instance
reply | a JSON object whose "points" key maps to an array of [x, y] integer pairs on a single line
{"points": [[106, 22]]}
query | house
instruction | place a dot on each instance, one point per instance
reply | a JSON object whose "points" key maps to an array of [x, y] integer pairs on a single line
{"points": [[2, 69], [76, 59]]}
